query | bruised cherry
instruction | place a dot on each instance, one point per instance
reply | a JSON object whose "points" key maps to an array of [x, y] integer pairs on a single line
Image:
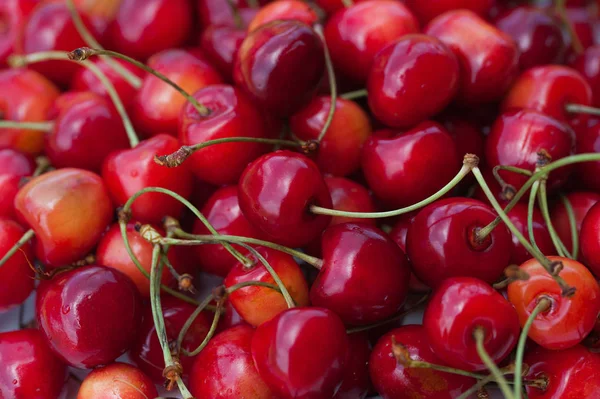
{"points": [[116, 381]]}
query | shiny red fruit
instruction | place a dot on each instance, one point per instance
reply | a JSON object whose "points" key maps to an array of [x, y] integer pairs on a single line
{"points": [[588, 141], [581, 202], [116, 381], [217, 12], [14, 165], [356, 382], [347, 195], [590, 239], [518, 216], [221, 43], [588, 65], [426, 10], [16, 275], [13, 13], [284, 10]]}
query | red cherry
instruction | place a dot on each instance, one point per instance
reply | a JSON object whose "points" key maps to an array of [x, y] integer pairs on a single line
{"points": [[273, 56], [356, 382], [403, 88], [357, 33], [581, 202], [221, 44], [458, 307], [90, 315], [330, 6], [590, 239], [518, 216], [116, 381], [144, 27], [588, 65], [349, 196], [230, 318], [276, 192], [128, 171], [588, 140], [224, 369], [339, 151], [347, 283], [217, 12], [396, 164], [29, 368], [284, 10], [393, 380], [313, 340], [16, 276], [13, 13], [488, 57], [584, 25], [426, 10], [14, 165]]}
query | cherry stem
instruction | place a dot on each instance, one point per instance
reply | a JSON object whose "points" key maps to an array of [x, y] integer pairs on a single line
{"points": [[483, 382], [211, 331], [332, 83], [13, 250], [178, 157], [530, 209], [543, 304], [470, 161], [40, 126], [513, 169], [237, 18], [561, 10], [573, 225], [513, 273], [543, 201], [83, 53], [352, 95], [582, 109], [42, 165], [91, 41], [479, 336], [17, 60], [188, 323]]}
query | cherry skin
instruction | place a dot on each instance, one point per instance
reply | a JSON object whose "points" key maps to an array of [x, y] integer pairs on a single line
{"points": [[232, 114], [392, 380], [29, 368], [588, 65], [588, 140], [257, 305], [330, 6], [144, 27], [128, 171], [283, 10], [405, 181], [356, 382], [146, 351], [220, 44], [14, 165], [426, 10], [590, 233], [292, 337], [16, 276], [26, 96], [518, 215], [488, 57], [350, 196], [116, 381], [273, 56], [224, 369], [346, 283], [584, 24], [90, 315], [467, 135], [13, 13], [457, 308], [581, 202], [217, 12], [68, 209], [568, 320], [275, 193], [339, 151]]}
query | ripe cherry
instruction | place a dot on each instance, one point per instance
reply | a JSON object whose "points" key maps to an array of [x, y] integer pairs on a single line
{"points": [[581, 202], [426, 10], [284, 10], [588, 140], [588, 65], [518, 216], [14, 165], [13, 13], [221, 43], [116, 381], [219, 13], [347, 195], [356, 382], [590, 239], [16, 276]]}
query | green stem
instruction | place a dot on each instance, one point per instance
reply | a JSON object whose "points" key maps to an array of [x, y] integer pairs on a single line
{"points": [[561, 11], [480, 384], [573, 225], [41, 126], [582, 109], [332, 84], [543, 201], [188, 323], [13, 250], [210, 334], [479, 336], [530, 210], [352, 95], [237, 18]]}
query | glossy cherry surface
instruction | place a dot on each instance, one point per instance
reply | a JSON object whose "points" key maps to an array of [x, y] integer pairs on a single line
{"points": [[588, 65], [29, 368], [356, 382], [284, 10], [458, 307], [392, 380], [581, 202], [13, 13], [217, 12], [412, 80], [221, 43], [405, 181], [275, 55], [292, 337], [117, 381], [14, 165], [276, 192], [90, 315], [518, 216], [426, 10], [588, 141], [347, 283], [16, 276], [590, 239], [347, 195]]}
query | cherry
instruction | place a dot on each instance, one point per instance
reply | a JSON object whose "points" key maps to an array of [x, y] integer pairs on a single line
{"points": [[356, 382], [584, 26], [590, 233], [588, 140], [588, 65], [284, 10], [224, 369], [518, 216], [348, 195], [530, 132], [257, 305], [14, 165], [538, 35], [339, 150], [68, 209], [330, 6], [144, 27], [232, 114], [217, 12], [581, 202], [276, 192], [116, 381], [146, 351], [29, 368], [273, 56], [405, 181], [313, 340], [220, 44], [458, 307], [128, 171], [392, 379], [357, 33], [157, 105], [488, 57], [426, 10], [349, 286], [90, 315], [13, 13], [403, 88], [467, 134], [26, 96], [16, 275]]}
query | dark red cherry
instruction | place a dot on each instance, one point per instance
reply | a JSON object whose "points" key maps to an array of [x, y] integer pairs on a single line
{"points": [[339, 151], [396, 164], [347, 195], [518, 215], [516, 138], [588, 140], [232, 114], [590, 239], [442, 242], [393, 380], [581, 202], [314, 341], [538, 35], [116, 381], [217, 12], [584, 24], [284, 10], [459, 306], [16, 275], [128, 171], [90, 315], [221, 43], [224, 369], [330, 6], [588, 65], [29, 368], [356, 382], [467, 134], [347, 283], [357, 33], [488, 57], [412, 80], [144, 27], [276, 192], [426, 10], [280, 65], [13, 13]]}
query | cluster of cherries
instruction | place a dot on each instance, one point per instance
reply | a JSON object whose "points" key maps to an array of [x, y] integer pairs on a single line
{"points": [[309, 154]]}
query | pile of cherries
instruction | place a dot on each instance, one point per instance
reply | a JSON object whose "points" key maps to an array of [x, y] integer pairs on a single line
{"points": [[337, 164]]}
